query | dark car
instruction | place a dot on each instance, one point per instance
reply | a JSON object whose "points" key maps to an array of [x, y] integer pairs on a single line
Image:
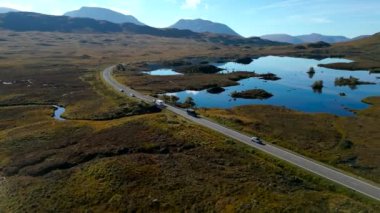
{"points": [[192, 112]]}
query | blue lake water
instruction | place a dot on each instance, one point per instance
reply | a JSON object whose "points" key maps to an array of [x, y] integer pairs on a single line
{"points": [[58, 113], [163, 72], [294, 89]]}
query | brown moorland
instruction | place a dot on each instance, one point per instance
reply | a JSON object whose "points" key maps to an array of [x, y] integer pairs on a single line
{"points": [[142, 162], [349, 143]]}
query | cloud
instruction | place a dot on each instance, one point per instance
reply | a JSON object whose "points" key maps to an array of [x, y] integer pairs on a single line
{"points": [[191, 4]]}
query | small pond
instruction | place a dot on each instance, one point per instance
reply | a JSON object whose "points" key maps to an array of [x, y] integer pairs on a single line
{"points": [[58, 113], [294, 89]]}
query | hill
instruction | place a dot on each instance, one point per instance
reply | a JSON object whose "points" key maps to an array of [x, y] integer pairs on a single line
{"points": [[311, 38], [203, 26], [103, 14], [365, 52], [6, 10]]}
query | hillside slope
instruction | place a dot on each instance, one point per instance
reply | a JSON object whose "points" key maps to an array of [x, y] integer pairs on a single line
{"points": [[365, 52]]}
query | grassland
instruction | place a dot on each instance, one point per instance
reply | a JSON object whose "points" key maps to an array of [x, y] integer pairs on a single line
{"points": [[106, 158], [349, 143]]}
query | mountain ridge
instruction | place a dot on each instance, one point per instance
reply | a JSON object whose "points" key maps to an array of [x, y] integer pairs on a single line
{"points": [[204, 26], [27, 21], [104, 14]]}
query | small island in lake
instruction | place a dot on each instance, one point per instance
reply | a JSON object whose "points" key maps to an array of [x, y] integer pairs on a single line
{"points": [[246, 60], [351, 82], [252, 94], [216, 90]]}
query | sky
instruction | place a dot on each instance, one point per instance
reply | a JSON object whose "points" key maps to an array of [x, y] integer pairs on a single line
{"points": [[247, 17]]}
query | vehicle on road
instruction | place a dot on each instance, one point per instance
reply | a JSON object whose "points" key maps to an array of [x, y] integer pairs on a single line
{"points": [[160, 103], [121, 90], [257, 140], [192, 112], [132, 95]]}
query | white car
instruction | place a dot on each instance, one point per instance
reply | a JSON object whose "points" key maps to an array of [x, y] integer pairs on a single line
{"points": [[121, 90], [257, 140], [132, 95], [160, 103]]}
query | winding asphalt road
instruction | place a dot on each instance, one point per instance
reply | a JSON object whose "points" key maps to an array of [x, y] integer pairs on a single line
{"points": [[295, 159]]}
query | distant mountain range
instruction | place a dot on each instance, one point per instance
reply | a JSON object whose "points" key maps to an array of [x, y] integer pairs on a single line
{"points": [[26, 21], [103, 14], [7, 10], [311, 38], [204, 26], [111, 21]]}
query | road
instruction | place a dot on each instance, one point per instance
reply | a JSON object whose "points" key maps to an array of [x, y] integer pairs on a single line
{"points": [[280, 153]]}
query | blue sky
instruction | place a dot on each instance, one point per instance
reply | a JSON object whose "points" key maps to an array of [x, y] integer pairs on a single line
{"points": [[247, 17]]}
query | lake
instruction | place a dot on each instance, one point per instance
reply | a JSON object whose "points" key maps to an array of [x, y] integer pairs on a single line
{"points": [[294, 89]]}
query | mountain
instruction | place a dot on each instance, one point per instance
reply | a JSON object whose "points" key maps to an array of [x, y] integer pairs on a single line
{"points": [[203, 26], [282, 38], [26, 21], [311, 38], [103, 14], [6, 10], [314, 37]]}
